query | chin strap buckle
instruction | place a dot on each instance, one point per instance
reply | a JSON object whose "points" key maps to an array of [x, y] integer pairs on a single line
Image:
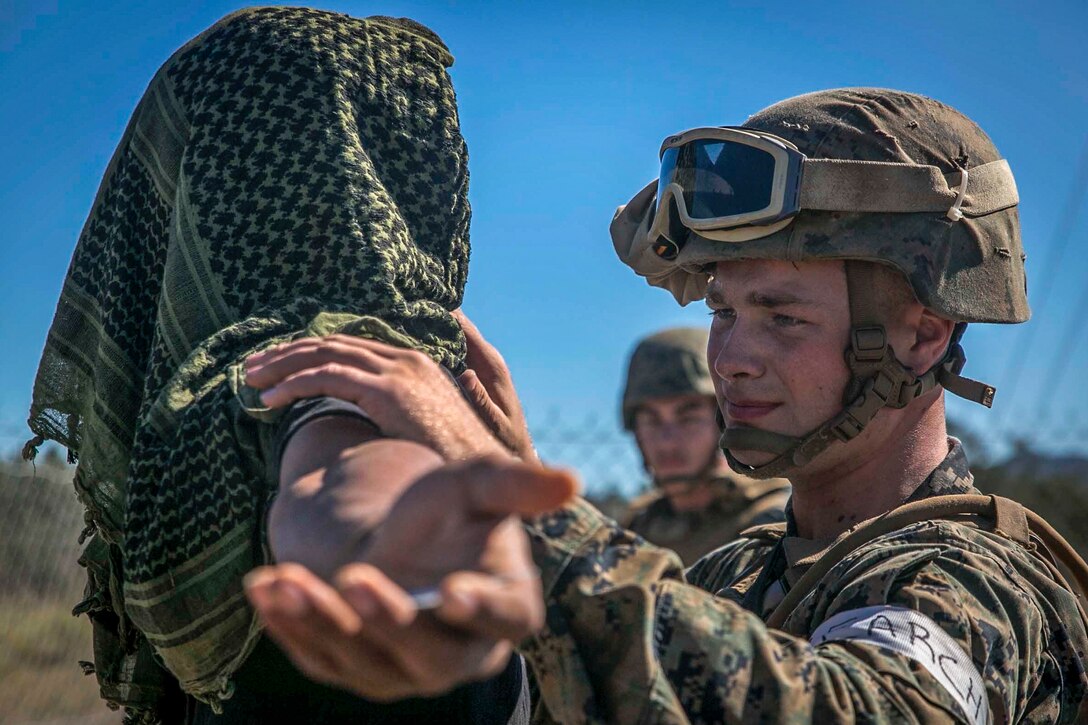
{"points": [[869, 343], [846, 427]]}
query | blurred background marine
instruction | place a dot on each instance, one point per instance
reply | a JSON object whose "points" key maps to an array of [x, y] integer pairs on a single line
{"points": [[696, 503]]}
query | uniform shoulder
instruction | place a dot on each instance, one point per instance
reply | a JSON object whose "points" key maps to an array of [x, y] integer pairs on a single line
{"points": [[641, 505], [962, 550], [722, 566]]}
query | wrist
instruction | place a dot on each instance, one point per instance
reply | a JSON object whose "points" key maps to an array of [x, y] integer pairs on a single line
{"points": [[462, 448], [292, 524]]}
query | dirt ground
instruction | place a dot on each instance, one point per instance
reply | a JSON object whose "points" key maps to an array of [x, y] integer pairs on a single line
{"points": [[41, 682]]}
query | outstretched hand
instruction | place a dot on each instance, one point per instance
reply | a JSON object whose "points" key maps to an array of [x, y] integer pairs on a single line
{"points": [[455, 529]]}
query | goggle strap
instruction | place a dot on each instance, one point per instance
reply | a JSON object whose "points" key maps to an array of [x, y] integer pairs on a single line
{"points": [[883, 187]]}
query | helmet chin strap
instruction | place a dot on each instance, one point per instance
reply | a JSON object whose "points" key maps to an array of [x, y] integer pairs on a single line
{"points": [[877, 380]]}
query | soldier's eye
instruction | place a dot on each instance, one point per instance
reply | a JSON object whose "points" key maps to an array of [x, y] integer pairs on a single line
{"points": [[787, 321]]}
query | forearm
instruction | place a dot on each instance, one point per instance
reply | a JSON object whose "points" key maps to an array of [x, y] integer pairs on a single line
{"points": [[338, 480]]}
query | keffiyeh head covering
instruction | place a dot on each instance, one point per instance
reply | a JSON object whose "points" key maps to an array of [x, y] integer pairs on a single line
{"points": [[288, 172]]}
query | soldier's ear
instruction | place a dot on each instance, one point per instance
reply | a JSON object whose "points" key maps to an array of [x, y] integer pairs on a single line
{"points": [[932, 334]]}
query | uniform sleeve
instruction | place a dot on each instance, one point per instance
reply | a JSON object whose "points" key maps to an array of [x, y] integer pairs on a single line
{"points": [[628, 640]]}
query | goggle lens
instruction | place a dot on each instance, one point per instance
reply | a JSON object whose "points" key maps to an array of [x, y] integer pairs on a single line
{"points": [[718, 178]]}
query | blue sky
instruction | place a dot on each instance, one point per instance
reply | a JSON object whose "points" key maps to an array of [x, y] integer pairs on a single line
{"points": [[564, 106]]}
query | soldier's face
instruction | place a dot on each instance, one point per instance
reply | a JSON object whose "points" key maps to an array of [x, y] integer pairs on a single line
{"points": [[776, 345], [678, 434]]}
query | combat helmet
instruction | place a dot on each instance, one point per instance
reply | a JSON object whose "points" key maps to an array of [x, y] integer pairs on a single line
{"points": [[667, 363], [873, 176]]}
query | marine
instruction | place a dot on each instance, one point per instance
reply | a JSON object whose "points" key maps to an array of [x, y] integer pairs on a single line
{"points": [[696, 503], [842, 240]]}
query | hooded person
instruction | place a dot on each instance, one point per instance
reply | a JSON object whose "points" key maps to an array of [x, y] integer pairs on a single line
{"points": [[287, 173]]}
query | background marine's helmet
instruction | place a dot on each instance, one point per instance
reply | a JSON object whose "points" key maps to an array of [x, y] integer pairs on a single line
{"points": [[667, 363]]}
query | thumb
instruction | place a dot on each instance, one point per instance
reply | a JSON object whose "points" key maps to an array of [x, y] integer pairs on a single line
{"points": [[494, 486], [484, 406], [474, 389], [479, 353]]}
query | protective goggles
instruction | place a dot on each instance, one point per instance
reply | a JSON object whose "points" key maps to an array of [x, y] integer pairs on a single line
{"points": [[735, 184]]}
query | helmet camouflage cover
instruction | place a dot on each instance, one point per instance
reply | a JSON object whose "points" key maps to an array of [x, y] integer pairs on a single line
{"points": [[667, 363], [971, 270]]}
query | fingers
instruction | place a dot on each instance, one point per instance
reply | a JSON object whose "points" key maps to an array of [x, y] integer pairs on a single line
{"points": [[486, 407], [297, 618], [275, 363], [291, 590], [474, 389], [481, 355], [361, 643], [481, 401], [313, 627], [369, 592], [500, 487], [494, 607], [344, 367], [330, 379], [265, 372], [470, 383], [433, 657], [472, 333], [491, 389]]}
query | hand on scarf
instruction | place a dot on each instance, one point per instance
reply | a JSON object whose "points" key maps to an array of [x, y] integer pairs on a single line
{"points": [[405, 393], [490, 387], [457, 528]]}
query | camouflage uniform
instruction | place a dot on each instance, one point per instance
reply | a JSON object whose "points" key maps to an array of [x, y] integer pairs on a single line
{"points": [[698, 651], [936, 621], [739, 504]]}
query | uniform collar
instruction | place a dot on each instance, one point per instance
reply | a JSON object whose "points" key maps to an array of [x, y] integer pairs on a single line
{"points": [[794, 555]]}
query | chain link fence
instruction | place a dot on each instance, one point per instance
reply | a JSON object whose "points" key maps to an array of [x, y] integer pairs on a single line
{"points": [[41, 643]]}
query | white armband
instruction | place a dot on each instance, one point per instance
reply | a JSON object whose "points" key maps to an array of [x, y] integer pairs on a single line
{"points": [[914, 635]]}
